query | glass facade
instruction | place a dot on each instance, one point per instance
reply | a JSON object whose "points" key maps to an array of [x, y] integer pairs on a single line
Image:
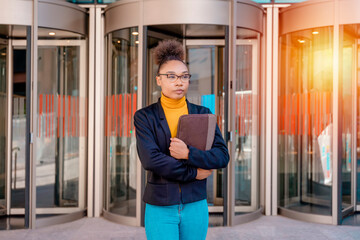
{"points": [[121, 104], [305, 121], [317, 122]]}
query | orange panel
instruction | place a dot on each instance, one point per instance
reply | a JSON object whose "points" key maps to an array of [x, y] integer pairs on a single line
{"points": [[52, 116]]}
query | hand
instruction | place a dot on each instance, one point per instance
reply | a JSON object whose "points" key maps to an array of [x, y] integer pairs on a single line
{"points": [[178, 149], [202, 173]]}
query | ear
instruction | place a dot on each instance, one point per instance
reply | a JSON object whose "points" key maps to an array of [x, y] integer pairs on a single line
{"points": [[158, 81]]}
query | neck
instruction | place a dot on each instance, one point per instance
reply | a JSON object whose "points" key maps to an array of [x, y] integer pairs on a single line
{"points": [[172, 103]]}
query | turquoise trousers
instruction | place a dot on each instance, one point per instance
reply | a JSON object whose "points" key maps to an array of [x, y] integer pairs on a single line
{"points": [[177, 222]]}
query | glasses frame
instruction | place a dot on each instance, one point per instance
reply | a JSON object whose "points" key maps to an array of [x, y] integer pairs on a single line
{"points": [[177, 77]]}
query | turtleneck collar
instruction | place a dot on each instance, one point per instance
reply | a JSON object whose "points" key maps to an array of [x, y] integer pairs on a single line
{"points": [[172, 103]]}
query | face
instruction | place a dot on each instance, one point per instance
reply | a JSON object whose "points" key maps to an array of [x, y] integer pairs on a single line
{"points": [[177, 89]]}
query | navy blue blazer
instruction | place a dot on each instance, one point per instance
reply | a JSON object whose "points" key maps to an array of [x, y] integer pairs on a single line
{"points": [[171, 181]]}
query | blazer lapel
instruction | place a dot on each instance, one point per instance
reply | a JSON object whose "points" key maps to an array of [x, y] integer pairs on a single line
{"points": [[163, 123], [191, 108]]}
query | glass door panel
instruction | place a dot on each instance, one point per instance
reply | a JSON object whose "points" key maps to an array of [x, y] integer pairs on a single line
{"points": [[18, 128], [206, 65], [120, 106], [61, 154], [305, 121], [3, 125], [246, 126], [348, 44]]}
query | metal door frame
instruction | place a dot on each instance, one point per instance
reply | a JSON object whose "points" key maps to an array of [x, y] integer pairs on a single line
{"points": [[255, 193], [355, 162], [13, 44], [5, 42], [192, 43], [352, 208]]}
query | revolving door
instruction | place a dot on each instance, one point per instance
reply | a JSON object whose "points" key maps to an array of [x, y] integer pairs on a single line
{"points": [[226, 83]]}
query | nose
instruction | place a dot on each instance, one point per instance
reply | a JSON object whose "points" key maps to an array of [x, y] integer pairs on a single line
{"points": [[178, 81]]}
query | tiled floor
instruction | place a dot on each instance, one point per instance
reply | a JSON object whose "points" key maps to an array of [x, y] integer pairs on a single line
{"points": [[273, 227]]}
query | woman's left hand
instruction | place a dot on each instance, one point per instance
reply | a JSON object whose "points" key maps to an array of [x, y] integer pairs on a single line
{"points": [[178, 149]]}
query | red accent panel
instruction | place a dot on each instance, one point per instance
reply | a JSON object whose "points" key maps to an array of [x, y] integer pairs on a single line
{"points": [[63, 117], [40, 112], [120, 113], [304, 113], [321, 111], [46, 116], [129, 115], [134, 109], [86, 116], [309, 113], [106, 116], [113, 115], [116, 111], [78, 117], [73, 117], [52, 115], [293, 109], [58, 116], [69, 115]]}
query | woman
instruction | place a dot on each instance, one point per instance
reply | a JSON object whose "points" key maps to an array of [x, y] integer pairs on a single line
{"points": [[175, 194]]}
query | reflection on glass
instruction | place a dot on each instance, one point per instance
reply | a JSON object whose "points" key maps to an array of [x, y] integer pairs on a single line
{"points": [[121, 104], [354, 30], [348, 42], [61, 144], [206, 65], [357, 54], [3, 129], [246, 122], [18, 129], [305, 121]]}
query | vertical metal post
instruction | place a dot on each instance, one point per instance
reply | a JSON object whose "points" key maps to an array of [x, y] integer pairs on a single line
{"points": [[27, 131], [99, 110], [142, 102], [262, 91], [268, 112], [91, 110], [230, 80], [226, 173], [31, 116], [354, 129], [9, 125], [337, 149], [275, 79]]}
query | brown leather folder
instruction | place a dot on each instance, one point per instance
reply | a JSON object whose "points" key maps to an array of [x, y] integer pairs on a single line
{"points": [[197, 130]]}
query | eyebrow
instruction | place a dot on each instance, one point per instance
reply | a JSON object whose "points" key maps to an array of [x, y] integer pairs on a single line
{"points": [[174, 72]]}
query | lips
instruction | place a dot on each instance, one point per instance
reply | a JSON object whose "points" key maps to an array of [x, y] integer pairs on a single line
{"points": [[179, 91]]}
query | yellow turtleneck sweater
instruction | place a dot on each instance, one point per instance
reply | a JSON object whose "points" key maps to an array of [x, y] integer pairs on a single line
{"points": [[173, 110]]}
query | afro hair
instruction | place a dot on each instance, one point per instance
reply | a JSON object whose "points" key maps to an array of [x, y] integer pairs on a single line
{"points": [[168, 50]]}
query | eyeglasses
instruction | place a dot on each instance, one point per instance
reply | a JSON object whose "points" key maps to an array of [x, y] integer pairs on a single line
{"points": [[173, 77]]}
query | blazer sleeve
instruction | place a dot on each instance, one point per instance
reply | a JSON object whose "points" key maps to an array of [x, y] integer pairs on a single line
{"points": [[215, 158], [151, 157]]}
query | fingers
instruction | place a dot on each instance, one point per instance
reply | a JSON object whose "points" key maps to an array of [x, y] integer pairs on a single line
{"points": [[176, 140]]}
